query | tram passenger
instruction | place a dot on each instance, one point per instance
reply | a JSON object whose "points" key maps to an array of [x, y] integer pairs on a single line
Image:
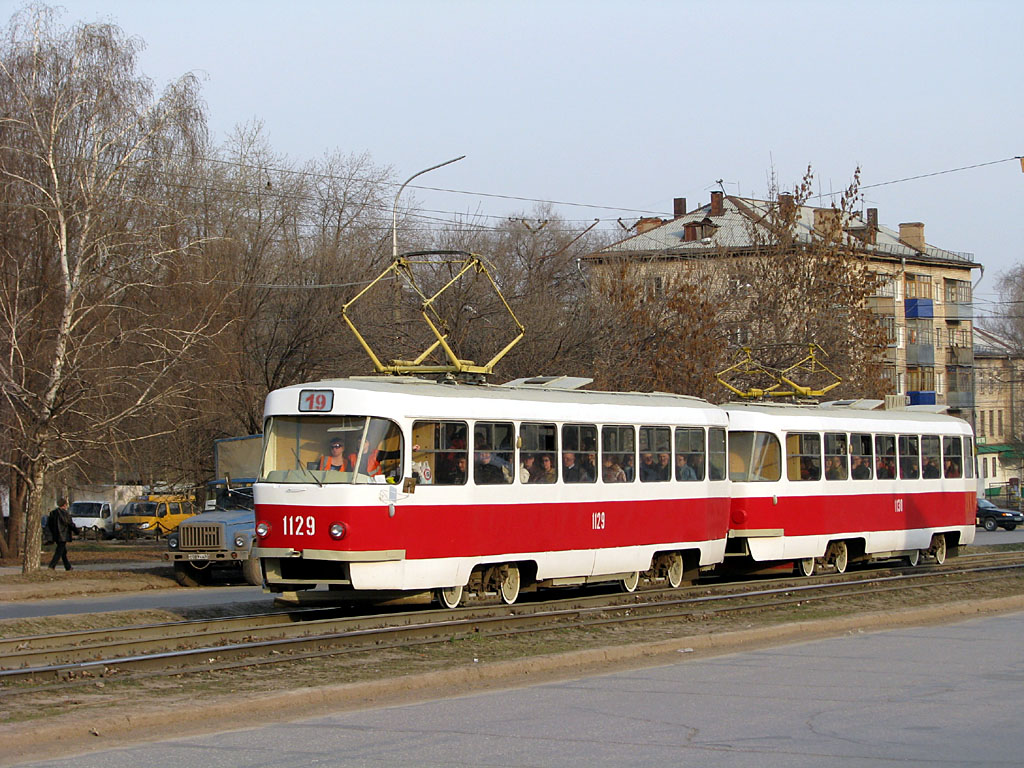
{"points": [[485, 472], [834, 469], [628, 467], [648, 469], [369, 462], [952, 468], [548, 473], [335, 458], [457, 471], [861, 469], [573, 472], [930, 471], [683, 469], [664, 470], [612, 472]]}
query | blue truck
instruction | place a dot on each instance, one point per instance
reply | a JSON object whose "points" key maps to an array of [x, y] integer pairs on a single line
{"points": [[221, 536]]}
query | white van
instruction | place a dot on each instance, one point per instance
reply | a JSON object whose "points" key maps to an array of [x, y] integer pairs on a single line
{"points": [[93, 518]]}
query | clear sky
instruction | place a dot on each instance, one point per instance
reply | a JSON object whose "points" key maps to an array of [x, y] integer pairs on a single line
{"points": [[626, 105]]}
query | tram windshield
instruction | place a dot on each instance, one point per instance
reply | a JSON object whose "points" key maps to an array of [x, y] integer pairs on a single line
{"points": [[332, 449]]}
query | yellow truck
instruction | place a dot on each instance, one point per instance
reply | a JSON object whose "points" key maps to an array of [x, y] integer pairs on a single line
{"points": [[153, 515]]}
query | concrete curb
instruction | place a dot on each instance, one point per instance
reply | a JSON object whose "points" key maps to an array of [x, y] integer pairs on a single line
{"points": [[75, 734]]}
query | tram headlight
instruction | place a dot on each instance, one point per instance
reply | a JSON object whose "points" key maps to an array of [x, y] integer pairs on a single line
{"points": [[262, 529], [338, 531]]}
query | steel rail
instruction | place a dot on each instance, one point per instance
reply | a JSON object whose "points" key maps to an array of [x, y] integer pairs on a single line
{"points": [[338, 636]]}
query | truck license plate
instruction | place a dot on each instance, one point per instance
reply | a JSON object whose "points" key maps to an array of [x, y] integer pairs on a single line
{"points": [[198, 556]]}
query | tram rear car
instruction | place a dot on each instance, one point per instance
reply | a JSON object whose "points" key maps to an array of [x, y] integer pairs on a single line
{"points": [[453, 487], [828, 485]]}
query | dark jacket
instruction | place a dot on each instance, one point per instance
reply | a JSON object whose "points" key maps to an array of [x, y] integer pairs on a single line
{"points": [[61, 525]]}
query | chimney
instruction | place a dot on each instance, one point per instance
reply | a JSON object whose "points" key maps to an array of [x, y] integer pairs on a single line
{"points": [[678, 207], [912, 233], [872, 233], [648, 223], [786, 204], [716, 203]]}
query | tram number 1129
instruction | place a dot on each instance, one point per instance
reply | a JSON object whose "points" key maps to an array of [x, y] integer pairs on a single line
{"points": [[597, 521]]}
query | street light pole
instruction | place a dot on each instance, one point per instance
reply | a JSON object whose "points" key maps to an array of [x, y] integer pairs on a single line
{"points": [[394, 210]]}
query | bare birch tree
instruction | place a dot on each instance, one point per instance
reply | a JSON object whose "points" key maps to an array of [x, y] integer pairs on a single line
{"points": [[97, 327]]}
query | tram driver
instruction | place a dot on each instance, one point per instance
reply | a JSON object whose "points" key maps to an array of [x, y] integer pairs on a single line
{"points": [[335, 458]]}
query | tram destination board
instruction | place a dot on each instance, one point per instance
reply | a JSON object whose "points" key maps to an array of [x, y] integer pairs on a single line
{"points": [[317, 400]]}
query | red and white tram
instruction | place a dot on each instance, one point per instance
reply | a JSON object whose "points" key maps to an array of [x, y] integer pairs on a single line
{"points": [[834, 484], [411, 485]]}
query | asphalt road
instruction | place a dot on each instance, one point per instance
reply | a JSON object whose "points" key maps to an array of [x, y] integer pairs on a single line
{"points": [[930, 696]]}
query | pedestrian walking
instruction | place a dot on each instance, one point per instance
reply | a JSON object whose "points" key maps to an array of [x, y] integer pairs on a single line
{"points": [[62, 527]]}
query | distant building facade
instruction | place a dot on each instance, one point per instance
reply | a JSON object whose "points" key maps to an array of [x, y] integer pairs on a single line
{"points": [[999, 378], [923, 298]]}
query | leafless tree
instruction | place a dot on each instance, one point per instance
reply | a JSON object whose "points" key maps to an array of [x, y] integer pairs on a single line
{"points": [[98, 320]]}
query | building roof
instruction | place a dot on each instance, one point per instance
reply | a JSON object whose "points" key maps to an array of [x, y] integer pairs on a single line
{"points": [[989, 344], [734, 227]]}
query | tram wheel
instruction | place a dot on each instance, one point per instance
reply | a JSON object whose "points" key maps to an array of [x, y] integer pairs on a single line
{"points": [[510, 583], [449, 597], [938, 548], [840, 556], [805, 567], [674, 572], [629, 584], [913, 558]]}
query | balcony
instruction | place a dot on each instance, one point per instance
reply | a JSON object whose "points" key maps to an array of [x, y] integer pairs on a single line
{"points": [[921, 398], [960, 356], [960, 399], [957, 311], [919, 308], [921, 354]]}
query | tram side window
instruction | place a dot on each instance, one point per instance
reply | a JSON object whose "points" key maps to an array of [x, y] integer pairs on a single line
{"points": [[618, 454], [689, 453], [655, 454], [803, 456], [862, 456], [538, 450], [836, 453], [579, 453], [952, 458], [885, 457], [493, 454], [440, 451], [717, 454], [910, 461], [969, 457], [931, 458], [754, 457]]}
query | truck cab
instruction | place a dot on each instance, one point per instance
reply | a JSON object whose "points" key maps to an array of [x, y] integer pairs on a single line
{"points": [[219, 538]]}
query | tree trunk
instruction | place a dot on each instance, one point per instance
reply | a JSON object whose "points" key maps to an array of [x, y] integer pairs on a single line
{"points": [[31, 555]]}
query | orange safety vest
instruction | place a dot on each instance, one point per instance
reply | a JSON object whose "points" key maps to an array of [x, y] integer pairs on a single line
{"points": [[325, 463]]}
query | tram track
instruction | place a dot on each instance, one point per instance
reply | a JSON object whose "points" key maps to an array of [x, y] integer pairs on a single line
{"points": [[184, 648]]}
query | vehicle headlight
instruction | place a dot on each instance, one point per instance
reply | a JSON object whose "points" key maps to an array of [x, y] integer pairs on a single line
{"points": [[262, 529], [240, 541], [117, 526], [337, 531], [172, 542], [143, 526]]}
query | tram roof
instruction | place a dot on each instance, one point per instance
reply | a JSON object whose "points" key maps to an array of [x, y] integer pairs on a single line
{"points": [[797, 416], [414, 388]]}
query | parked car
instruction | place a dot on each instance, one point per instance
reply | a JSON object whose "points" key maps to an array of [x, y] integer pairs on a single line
{"points": [[991, 517]]}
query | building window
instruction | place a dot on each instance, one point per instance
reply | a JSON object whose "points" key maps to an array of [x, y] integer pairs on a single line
{"points": [[921, 379], [1000, 423], [958, 291], [981, 424], [919, 331], [990, 430], [918, 286]]}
